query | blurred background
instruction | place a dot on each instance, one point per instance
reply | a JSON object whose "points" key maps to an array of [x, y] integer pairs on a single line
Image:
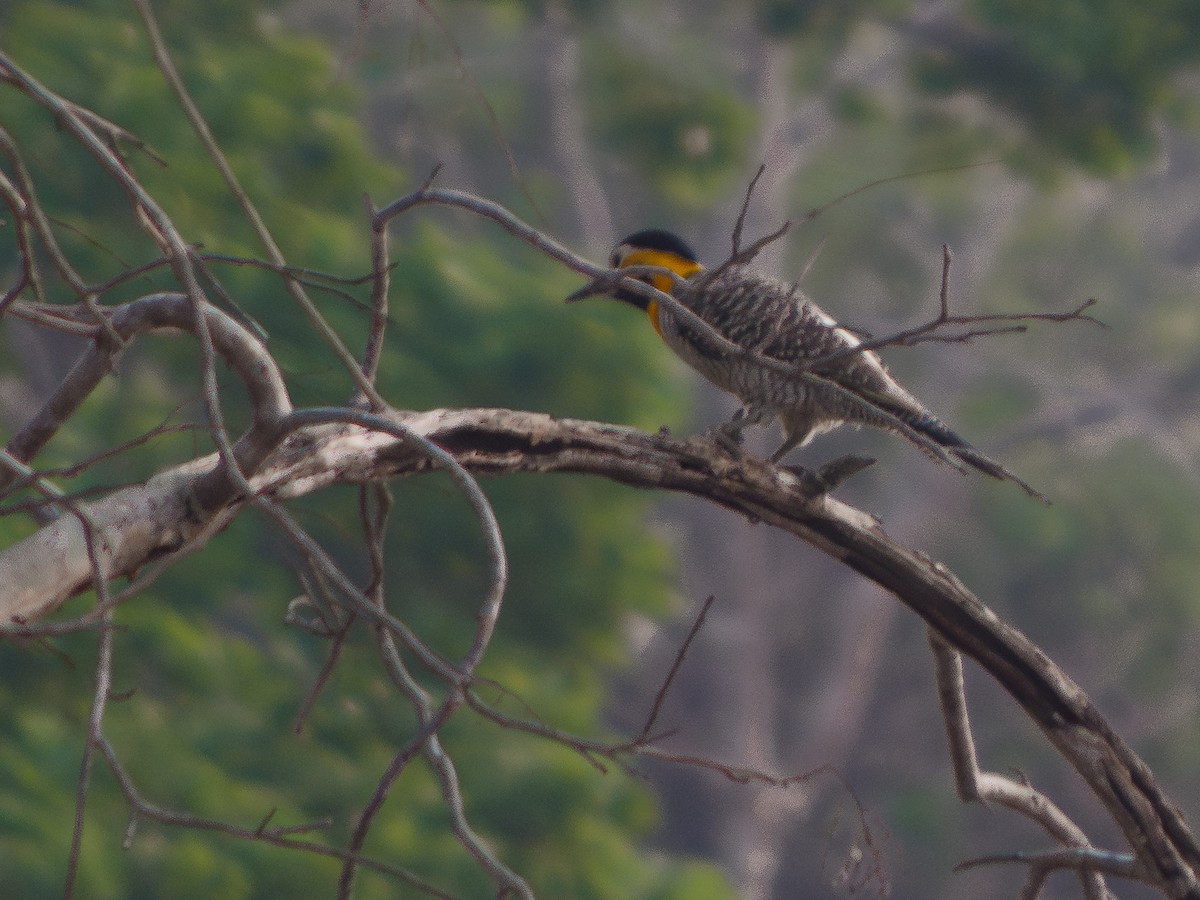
{"points": [[1058, 146]]}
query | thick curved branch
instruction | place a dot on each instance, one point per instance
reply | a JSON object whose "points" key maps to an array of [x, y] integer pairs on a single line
{"points": [[498, 442], [974, 784], [137, 524], [242, 352]]}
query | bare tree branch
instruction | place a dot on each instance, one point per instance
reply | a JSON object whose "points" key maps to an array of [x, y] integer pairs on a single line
{"points": [[137, 531], [740, 223], [100, 699], [933, 330], [976, 785], [279, 837], [1087, 861], [497, 442], [644, 735], [323, 328]]}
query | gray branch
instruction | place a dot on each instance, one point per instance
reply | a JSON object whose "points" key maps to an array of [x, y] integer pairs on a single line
{"points": [[498, 442]]}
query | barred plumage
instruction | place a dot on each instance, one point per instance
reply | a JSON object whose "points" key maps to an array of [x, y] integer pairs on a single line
{"points": [[776, 321]]}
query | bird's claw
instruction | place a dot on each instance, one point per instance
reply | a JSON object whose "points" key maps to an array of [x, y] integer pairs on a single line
{"points": [[729, 438]]}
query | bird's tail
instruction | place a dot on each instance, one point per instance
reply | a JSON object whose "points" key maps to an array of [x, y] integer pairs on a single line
{"points": [[932, 427]]}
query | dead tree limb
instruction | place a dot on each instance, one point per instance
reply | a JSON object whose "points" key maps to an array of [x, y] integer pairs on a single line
{"points": [[492, 442], [974, 784]]}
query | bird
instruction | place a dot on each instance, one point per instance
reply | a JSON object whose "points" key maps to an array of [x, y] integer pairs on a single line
{"points": [[778, 352]]}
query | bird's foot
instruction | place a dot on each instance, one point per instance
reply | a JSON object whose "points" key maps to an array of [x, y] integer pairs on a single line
{"points": [[729, 434], [729, 438]]}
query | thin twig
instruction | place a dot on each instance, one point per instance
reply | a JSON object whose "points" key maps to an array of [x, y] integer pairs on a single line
{"points": [[741, 219], [486, 517], [974, 784], [930, 332], [460, 60], [889, 179], [95, 735], [331, 658], [200, 125], [279, 837], [661, 696]]}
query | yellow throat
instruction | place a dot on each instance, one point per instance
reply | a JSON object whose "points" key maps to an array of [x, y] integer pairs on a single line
{"points": [[681, 266]]}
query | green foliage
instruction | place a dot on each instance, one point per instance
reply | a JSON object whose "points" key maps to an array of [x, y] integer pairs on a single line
{"points": [[1088, 78], [216, 681], [673, 124], [831, 20], [681, 127], [1156, 529]]}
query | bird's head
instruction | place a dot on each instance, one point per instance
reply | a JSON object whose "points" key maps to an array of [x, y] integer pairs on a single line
{"points": [[650, 247]]}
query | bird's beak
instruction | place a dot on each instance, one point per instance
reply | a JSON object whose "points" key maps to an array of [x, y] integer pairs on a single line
{"points": [[591, 289]]}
